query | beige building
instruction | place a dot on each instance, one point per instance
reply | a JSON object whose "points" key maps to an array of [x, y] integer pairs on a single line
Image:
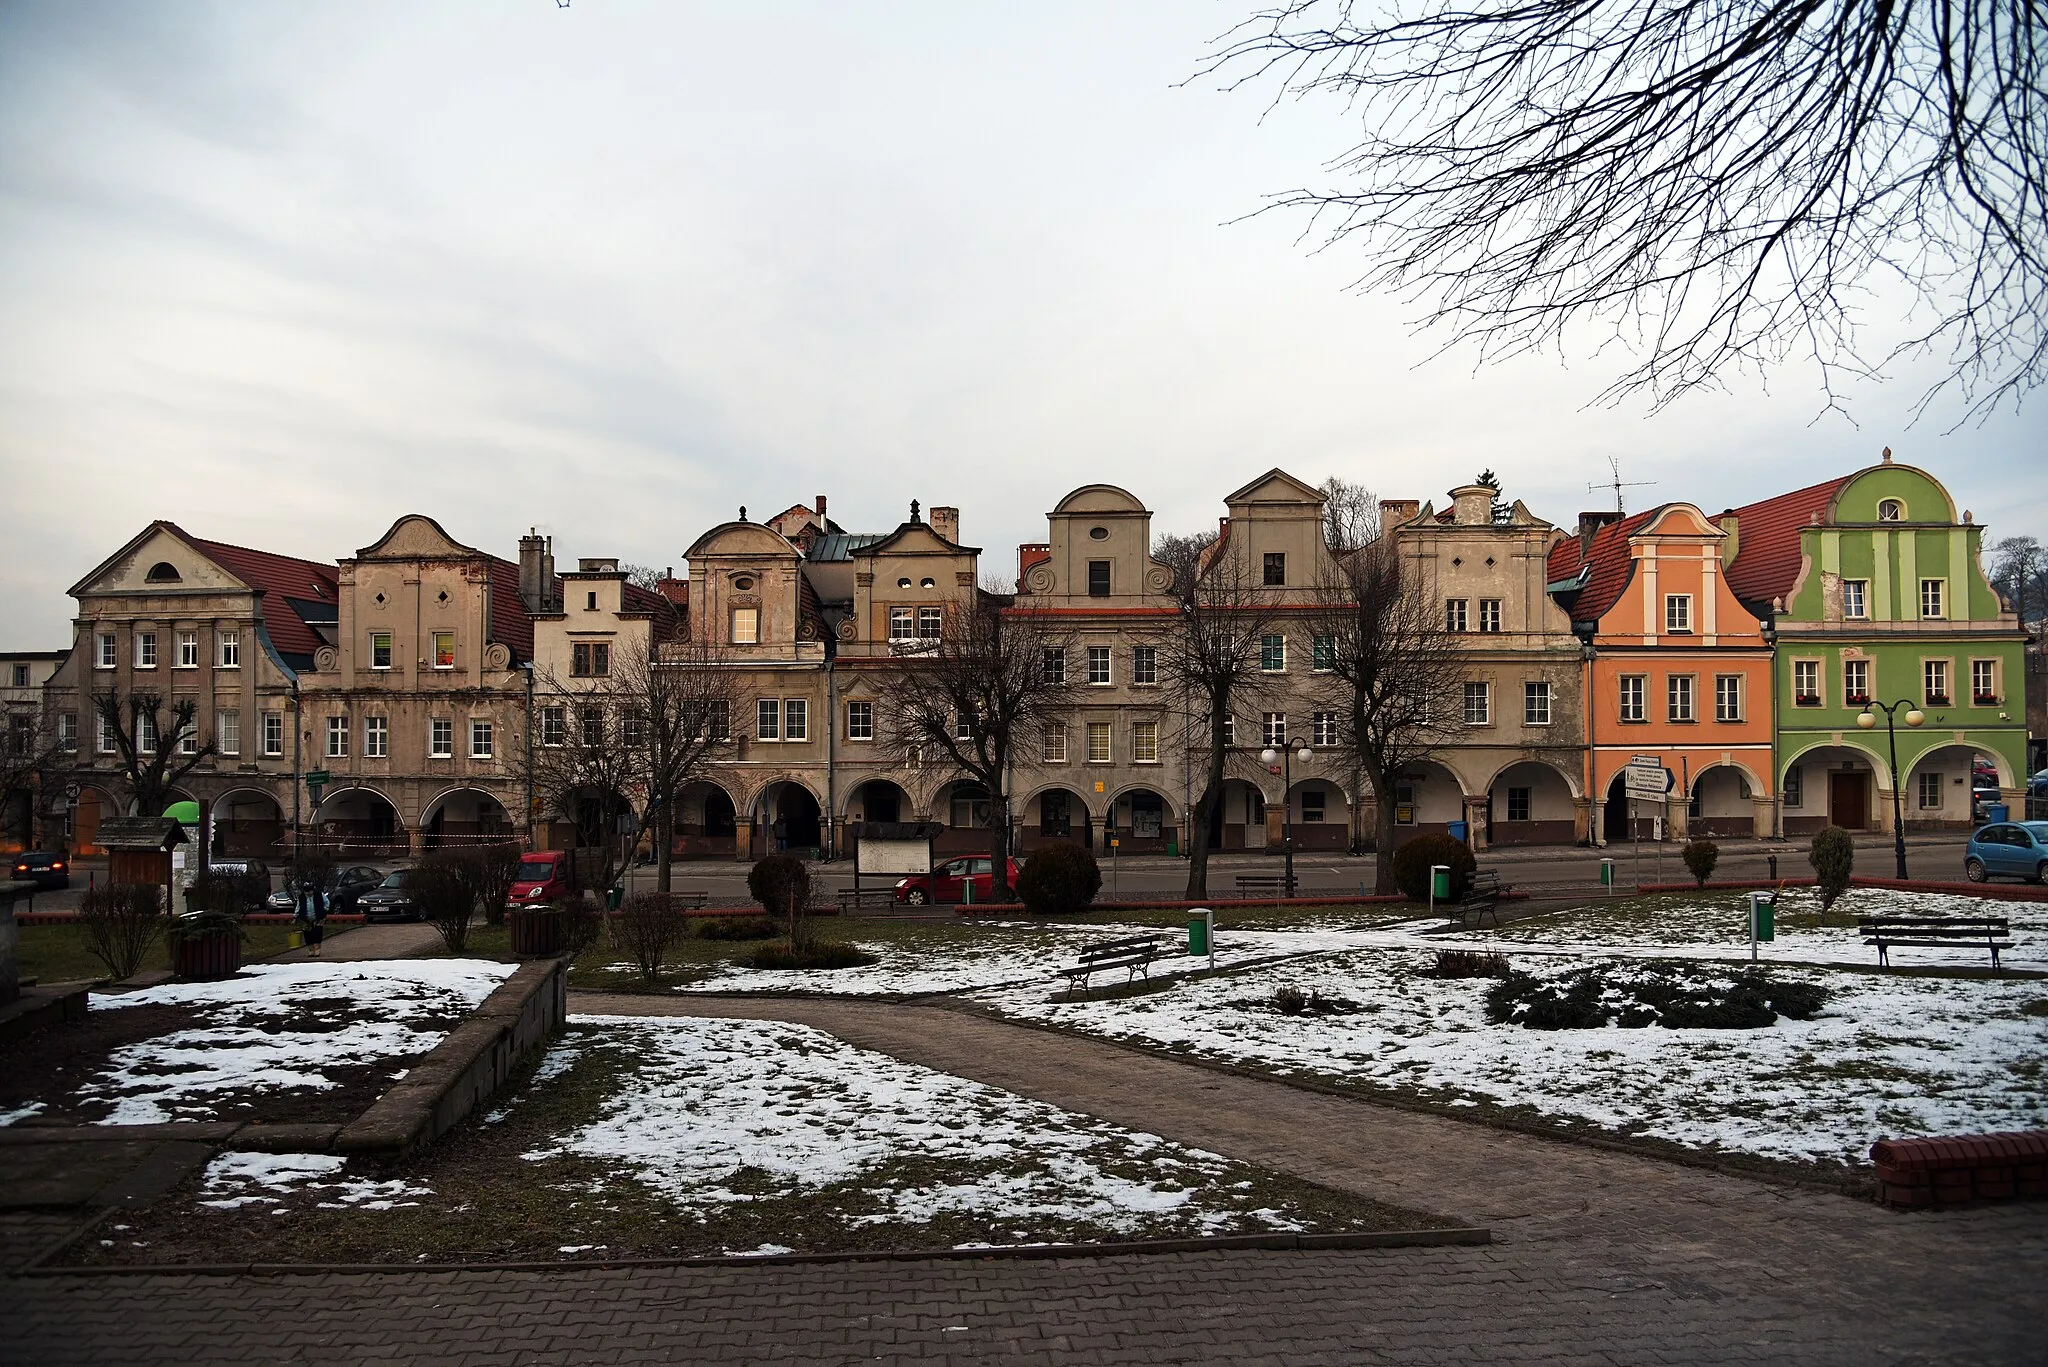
{"points": [[27, 737]]}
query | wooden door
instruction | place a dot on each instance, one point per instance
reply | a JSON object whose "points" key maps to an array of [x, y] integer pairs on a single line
{"points": [[1849, 801]]}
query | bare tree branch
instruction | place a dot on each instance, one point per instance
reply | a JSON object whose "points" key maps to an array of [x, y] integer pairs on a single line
{"points": [[149, 736]]}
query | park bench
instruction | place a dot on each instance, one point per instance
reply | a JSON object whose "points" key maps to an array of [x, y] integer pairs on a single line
{"points": [[1936, 932], [1480, 901], [856, 899], [689, 901], [1252, 884], [1132, 955]]}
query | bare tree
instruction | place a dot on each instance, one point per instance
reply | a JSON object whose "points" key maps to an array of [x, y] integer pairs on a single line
{"points": [[156, 743], [2020, 573], [1393, 677], [30, 753], [1721, 182], [644, 576], [1351, 515], [973, 695]]}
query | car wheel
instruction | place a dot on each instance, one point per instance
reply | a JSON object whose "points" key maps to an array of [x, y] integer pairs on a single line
{"points": [[1973, 869], [2040, 872], [916, 897]]}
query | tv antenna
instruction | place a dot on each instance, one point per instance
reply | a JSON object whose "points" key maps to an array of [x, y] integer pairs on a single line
{"points": [[1617, 483]]}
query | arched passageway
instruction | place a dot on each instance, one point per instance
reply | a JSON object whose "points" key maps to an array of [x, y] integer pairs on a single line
{"points": [[1055, 815]]}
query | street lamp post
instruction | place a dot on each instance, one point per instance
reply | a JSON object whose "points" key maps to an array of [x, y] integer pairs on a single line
{"points": [[1285, 757], [1914, 716]]}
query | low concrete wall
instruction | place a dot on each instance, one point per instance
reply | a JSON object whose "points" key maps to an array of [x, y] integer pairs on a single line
{"points": [[465, 1069]]}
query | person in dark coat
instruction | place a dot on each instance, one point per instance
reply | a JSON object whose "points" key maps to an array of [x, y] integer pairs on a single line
{"points": [[312, 913]]}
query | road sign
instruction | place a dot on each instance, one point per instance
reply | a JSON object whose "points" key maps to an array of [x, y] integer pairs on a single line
{"points": [[1646, 777], [318, 776]]}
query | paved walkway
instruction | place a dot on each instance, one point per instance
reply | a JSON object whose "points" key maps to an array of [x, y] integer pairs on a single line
{"points": [[1600, 1257], [386, 940]]}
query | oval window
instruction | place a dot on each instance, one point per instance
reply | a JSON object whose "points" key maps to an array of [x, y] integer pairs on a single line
{"points": [[903, 583], [927, 583], [743, 582], [1098, 533], [1891, 510]]}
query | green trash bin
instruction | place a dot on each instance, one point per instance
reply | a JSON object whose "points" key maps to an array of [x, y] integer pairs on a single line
{"points": [[1198, 934], [1766, 918], [1440, 882], [613, 896]]}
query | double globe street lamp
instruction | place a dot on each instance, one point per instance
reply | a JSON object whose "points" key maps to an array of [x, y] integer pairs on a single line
{"points": [[1285, 757], [1913, 717]]}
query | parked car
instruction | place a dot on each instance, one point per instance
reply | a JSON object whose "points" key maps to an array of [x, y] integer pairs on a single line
{"points": [[950, 881], [548, 876], [43, 868], [2010, 849], [344, 886], [390, 900], [2037, 797]]}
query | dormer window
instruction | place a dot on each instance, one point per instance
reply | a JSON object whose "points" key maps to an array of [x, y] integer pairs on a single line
{"points": [[1891, 510], [746, 626], [162, 572]]}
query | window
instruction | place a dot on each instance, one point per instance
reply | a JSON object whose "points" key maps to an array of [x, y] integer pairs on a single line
{"points": [[1324, 729], [1144, 664], [1229, 731], [1855, 597], [1054, 667], [337, 737], [554, 727], [145, 650], [903, 624], [1054, 750], [963, 726], [1930, 791], [231, 650], [1276, 569], [1632, 690], [1793, 785], [1806, 683], [227, 732], [1855, 682], [1727, 697], [590, 727], [1678, 695], [105, 742], [633, 728], [1273, 730], [1145, 742], [860, 721], [1489, 614], [1930, 597], [188, 650], [1098, 742], [720, 720], [929, 623], [768, 719], [1325, 654], [1935, 675], [441, 738], [20, 676], [1891, 510], [67, 732], [746, 626], [273, 733], [1098, 664], [1314, 806], [590, 659], [1536, 703], [380, 650], [1678, 613], [188, 739], [481, 738], [1098, 579], [1518, 804], [1983, 681], [1478, 704], [376, 738], [107, 657], [1454, 614], [1273, 654], [444, 650], [796, 719]]}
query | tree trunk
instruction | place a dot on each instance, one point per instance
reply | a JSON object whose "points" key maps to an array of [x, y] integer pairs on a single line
{"points": [[1212, 793], [664, 832], [1383, 830], [1000, 866]]}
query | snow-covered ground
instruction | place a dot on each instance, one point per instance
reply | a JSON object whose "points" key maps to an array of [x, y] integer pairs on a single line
{"points": [[723, 1113], [234, 1180], [1888, 1055], [282, 1026]]}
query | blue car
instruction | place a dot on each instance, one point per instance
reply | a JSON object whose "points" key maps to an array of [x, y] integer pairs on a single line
{"points": [[2012, 849]]}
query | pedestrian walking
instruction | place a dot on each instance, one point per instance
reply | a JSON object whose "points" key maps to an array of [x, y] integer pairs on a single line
{"points": [[312, 914]]}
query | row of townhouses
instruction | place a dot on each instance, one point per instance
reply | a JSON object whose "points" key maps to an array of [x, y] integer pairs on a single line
{"points": [[421, 678]]}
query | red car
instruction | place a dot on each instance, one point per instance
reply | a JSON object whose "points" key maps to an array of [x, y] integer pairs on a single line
{"points": [[950, 881]]}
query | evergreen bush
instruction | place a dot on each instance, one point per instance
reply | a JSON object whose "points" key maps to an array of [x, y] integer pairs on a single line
{"points": [[1833, 858], [1413, 860], [1057, 878], [1700, 857]]}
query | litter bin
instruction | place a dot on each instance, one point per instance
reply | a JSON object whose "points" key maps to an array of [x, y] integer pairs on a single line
{"points": [[1461, 831], [1766, 918], [1607, 873], [614, 895], [1440, 882], [1996, 812], [1198, 931]]}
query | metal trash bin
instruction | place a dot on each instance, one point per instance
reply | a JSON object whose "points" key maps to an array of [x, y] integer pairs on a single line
{"points": [[1461, 831]]}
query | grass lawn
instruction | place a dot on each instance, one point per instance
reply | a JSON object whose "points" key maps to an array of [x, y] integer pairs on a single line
{"points": [[60, 954]]}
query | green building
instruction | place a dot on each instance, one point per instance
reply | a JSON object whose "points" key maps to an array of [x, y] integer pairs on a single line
{"points": [[1876, 593]]}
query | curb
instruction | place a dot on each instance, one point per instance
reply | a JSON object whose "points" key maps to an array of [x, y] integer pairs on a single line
{"points": [[1279, 1243]]}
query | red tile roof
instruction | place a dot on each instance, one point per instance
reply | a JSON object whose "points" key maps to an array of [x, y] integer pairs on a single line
{"points": [[676, 591], [279, 578], [510, 623], [1612, 561], [663, 613], [1767, 557]]}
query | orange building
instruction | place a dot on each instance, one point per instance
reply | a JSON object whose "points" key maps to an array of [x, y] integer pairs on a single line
{"points": [[1676, 668]]}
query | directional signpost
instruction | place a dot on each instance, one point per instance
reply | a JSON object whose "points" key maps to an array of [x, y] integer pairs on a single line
{"points": [[316, 779], [1645, 777]]}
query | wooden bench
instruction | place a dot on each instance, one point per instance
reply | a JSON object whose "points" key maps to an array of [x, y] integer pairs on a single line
{"points": [[1131, 955], [1935, 932], [1482, 898], [855, 899], [1250, 884]]}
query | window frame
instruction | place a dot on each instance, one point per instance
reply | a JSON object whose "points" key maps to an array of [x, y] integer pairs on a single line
{"points": [[1861, 595], [902, 624], [1480, 691], [1144, 742], [1853, 696], [1106, 576], [1052, 664], [227, 730], [1273, 570], [1489, 616], [187, 643], [380, 644], [1818, 697], [1106, 733], [1273, 730], [1535, 691], [931, 623], [1678, 614], [864, 729], [441, 738], [1104, 656], [228, 650], [67, 732], [106, 650], [443, 658], [337, 736], [1681, 699], [1323, 728], [590, 659], [1144, 666], [376, 738], [273, 734], [554, 726], [1945, 697], [1727, 709], [1456, 614], [768, 720], [1050, 752], [1991, 695], [1527, 798], [752, 618], [1929, 783], [1273, 652], [1939, 597], [145, 650], [483, 738], [796, 720]]}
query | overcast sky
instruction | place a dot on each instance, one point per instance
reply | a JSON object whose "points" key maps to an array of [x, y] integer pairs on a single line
{"points": [[283, 273]]}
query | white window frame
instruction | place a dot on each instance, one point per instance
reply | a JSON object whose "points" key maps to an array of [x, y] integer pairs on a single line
{"points": [[1929, 669], [435, 642], [188, 739], [106, 740], [1681, 697], [227, 731], [1891, 510], [1103, 753], [273, 734], [1988, 671], [860, 719], [108, 651], [376, 738], [1489, 616], [380, 641], [768, 720], [1273, 730], [1273, 653], [441, 738], [1728, 697], [1850, 692], [1929, 788], [67, 732], [1633, 694], [1678, 614], [1144, 666], [554, 726], [1816, 696], [931, 623], [483, 738], [230, 650], [1323, 729], [1144, 742], [744, 627], [337, 737], [1934, 600], [145, 650], [796, 719], [1053, 745], [1856, 599], [1053, 665], [902, 624], [1455, 613], [1478, 691], [1101, 670], [188, 650], [1536, 702]]}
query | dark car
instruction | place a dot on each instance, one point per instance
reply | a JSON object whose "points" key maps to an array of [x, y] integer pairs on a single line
{"points": [[953, 880], [389, 900], [43, 868], [344, 887]]}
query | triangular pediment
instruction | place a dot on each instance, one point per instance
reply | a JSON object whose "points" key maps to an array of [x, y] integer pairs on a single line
{"points": [[163, 550], [1275, 486], [914, 538], [415, 536]]}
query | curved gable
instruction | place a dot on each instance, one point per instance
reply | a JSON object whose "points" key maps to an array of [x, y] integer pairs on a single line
{"points": [[742, 538], [1099, 498], [1925, 498], [1680, 519], [415, 536]]}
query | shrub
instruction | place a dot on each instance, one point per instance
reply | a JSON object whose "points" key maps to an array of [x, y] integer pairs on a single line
{"points": [[198, 925], [582, 923], [232, 894], [1678, 998], [738, 928], [1290, 1000], [446, 898], [781, 883], [497, 867], [1700, 857], [122, 921], [1470, 963], [821, 954], [1413, 860], [1059, 877], [1833, 858], [650, 923]]}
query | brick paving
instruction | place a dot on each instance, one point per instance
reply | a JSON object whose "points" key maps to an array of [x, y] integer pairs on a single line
{"points": [[1599, 1257]]}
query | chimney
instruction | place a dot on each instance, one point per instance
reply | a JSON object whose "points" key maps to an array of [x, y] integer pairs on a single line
{"points": [[946, 522], [1395, 511], [1472, 505], [821, 507], [1589, 524], [536, 570]]}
